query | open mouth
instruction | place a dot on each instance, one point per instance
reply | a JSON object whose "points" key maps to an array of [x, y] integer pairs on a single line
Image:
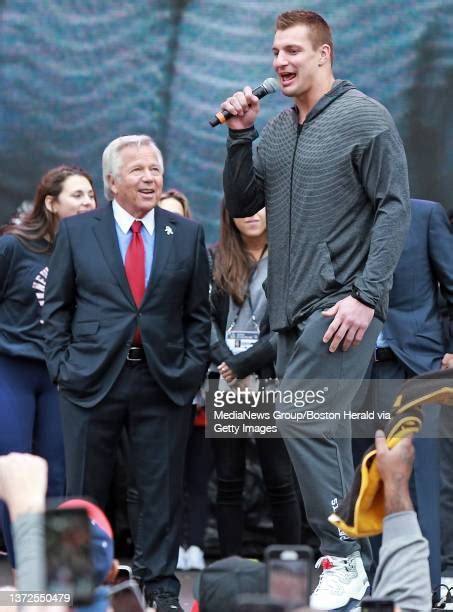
{"points": [[147, 192], [286, 78]]}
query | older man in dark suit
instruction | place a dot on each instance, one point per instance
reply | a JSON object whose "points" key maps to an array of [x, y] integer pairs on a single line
{"points": [[127, 332]]}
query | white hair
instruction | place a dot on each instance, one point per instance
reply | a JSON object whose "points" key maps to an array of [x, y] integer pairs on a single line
{"points": [[111, 159]]}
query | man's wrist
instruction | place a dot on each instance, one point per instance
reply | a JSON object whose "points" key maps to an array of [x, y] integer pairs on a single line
{"points": [[357, 295], [397, 497], [19, 506], [243, 129], [249, 133]]}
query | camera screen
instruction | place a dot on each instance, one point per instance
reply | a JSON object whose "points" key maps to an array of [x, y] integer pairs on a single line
{"points": [[68, 554], [288, 580], [377, 605], [258, 603]]}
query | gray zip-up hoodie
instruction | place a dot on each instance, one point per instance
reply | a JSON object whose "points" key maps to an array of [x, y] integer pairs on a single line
{"points": [[337, 199]]}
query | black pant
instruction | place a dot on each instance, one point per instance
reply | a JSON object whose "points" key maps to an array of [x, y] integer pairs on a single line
{"points": [[157, 431], [199, 466], [278, 478], [446, 496]]}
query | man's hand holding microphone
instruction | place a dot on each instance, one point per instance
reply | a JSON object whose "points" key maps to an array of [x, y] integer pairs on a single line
{"points": [[240, 109]]}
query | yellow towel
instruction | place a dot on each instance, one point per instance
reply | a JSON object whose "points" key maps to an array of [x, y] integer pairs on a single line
{"points": [[361, 512]]}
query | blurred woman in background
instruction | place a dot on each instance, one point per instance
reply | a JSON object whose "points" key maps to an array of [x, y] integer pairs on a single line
{"points": [[175, 201], [29, 411], [243, 351]]}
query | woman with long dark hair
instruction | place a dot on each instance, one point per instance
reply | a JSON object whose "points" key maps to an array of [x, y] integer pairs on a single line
{"points": [[29, 414], [240, 312]]}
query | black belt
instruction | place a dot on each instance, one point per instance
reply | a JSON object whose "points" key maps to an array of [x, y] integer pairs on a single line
{"points": [[384, 354], [135, 354]]}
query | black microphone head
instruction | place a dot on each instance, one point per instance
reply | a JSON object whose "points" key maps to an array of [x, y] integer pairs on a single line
{"points": [[270, 85], [267, 87]]}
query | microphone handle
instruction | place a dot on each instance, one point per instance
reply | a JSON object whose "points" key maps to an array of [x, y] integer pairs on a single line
{"points": [[223, 116]]}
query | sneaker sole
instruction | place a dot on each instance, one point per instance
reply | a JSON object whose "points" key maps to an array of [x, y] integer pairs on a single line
{"points": [[353, 604]]}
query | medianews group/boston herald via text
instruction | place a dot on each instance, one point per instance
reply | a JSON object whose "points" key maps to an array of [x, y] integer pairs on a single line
{"points": [[277, 415]]}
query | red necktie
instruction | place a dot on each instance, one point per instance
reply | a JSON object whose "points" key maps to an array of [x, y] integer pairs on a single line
{"points": [[135, 269]]}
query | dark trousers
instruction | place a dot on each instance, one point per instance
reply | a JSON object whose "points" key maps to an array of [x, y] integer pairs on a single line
{"points": [[446, 495], [30, 423], [229, 454], [199, 466], [157, 433], [386, 379]]}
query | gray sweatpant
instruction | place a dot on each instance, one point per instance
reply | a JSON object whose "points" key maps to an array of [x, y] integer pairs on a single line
{"points": [[323, 464]]}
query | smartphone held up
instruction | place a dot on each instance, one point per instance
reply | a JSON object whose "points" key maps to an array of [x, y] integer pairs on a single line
{"points": [[289, 574]]}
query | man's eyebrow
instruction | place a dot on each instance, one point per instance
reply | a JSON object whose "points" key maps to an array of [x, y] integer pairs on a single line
{"points": [[287, 46]]}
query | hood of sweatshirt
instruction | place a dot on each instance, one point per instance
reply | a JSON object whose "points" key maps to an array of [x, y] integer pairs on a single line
{"points": [[339, 88]]}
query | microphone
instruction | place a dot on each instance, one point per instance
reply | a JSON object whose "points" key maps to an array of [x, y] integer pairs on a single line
{"points": [[267, 87]]}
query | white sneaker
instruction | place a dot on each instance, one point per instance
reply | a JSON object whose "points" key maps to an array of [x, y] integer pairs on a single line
{"points": [[343, 579], [182, 560], [195, 558], [446, 586]]}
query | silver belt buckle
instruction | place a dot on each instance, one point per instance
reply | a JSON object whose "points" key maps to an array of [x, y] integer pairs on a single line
{"points": [[130, 353]]}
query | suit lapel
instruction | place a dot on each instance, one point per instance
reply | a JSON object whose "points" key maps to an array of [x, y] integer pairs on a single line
{"points": [[107, 238], [163, 245]]}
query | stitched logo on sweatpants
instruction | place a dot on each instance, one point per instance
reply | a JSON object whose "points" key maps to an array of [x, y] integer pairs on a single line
{"points": [[341, 533]]}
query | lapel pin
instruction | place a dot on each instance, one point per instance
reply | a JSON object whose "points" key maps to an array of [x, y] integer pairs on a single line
{"points": [[168, 230]]}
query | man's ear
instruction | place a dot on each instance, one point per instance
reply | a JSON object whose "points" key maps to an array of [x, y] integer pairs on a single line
{"points": [[325, 54], [49, 202], [112, 184]]}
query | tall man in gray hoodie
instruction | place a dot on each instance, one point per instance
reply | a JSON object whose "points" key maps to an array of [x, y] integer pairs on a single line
{"points": [[332, 174]]}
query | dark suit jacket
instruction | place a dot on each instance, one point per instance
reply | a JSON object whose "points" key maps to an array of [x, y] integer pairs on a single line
{"points": [[90, 315], [414, 328]]}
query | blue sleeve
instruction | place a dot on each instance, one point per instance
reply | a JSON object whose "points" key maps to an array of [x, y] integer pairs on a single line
{"points": [[440, 245], [7, 259]]}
